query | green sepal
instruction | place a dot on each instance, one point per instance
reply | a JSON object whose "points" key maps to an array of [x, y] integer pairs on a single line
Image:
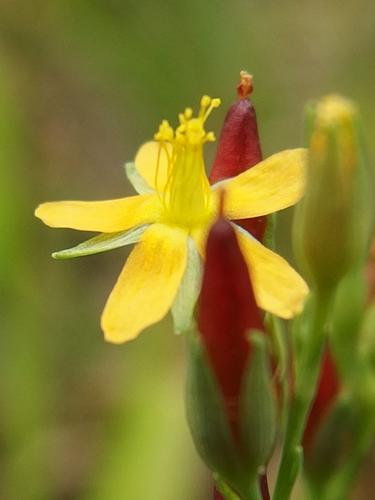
{"points": [[136, 180], [102, 243], [184, 303], [207, 420], [258, 406]]}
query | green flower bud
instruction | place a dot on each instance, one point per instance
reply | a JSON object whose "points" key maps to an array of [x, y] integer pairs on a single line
{"points": [[332, 225]]}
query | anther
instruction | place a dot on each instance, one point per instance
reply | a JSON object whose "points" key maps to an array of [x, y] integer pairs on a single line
{"points": [[188, 113], [165, 132], [205, 101], [210, 137]]}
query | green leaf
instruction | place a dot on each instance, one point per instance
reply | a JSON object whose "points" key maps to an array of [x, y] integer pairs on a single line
{"points": [[136, 180], [183, 306], [102, 243]]}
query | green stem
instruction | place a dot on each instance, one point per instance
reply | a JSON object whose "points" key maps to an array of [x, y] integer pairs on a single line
{"points": [[253, 492], [307, 372]]}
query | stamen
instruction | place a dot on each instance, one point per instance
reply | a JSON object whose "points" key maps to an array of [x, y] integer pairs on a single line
{"points": [[157, 168], [207, 105], [186, 195], [210, 137], [188, 113], [165, 132]]}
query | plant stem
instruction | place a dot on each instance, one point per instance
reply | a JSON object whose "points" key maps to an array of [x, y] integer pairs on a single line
{"points": [[253, 492], [307, 372]]}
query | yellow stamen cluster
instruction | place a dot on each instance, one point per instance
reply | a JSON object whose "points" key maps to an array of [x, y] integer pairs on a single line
{"points": [[186, 195], [191, 129]]}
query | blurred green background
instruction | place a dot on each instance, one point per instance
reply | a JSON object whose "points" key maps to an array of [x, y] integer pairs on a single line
{"points": [[82, 85]]}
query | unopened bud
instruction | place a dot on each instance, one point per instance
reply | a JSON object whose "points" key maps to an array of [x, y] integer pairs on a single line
{"points": [[230, 403], [333, 221], [239, 147], [227, 311]]}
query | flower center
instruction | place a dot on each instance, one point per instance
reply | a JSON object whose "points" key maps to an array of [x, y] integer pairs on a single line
{"points": [[186, 195]]}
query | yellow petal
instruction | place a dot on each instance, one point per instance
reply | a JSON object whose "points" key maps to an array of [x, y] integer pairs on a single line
{"points": [[104, 216], [146, 162], [148, 284], [278, 288], [275, 183]]}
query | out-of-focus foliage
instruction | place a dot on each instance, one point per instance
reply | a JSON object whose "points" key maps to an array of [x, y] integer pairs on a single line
{"points": [[82, 85]]}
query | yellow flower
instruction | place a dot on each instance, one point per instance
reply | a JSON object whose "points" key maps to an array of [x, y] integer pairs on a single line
{"points": [[169, 221]]}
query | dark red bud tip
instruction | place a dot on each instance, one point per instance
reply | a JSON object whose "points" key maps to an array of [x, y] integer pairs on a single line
{"points": [[238, 147], [245, 86], [227, 311]]}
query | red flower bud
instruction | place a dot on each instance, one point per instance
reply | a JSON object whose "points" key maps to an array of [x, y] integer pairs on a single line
{"points": [[227, 311], [239, 147], [327, 391]]}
